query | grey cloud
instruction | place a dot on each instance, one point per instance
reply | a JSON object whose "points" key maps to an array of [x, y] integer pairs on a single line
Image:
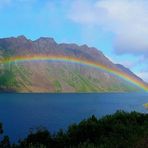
{"points": [[126, 19]]}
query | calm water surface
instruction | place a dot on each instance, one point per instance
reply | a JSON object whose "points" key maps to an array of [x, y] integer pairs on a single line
{"points": [[20, 112]]}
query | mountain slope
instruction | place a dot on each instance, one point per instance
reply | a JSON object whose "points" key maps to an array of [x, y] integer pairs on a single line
{"points": [[45, 76]]}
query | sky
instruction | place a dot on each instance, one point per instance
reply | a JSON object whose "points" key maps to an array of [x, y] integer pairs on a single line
{"points": [[119, 28]]}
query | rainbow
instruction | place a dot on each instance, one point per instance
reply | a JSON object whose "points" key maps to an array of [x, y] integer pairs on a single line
{"points": [[81, 61]]}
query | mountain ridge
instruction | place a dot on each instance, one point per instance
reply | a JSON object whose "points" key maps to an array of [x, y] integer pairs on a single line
{"points": [[51, 77]]}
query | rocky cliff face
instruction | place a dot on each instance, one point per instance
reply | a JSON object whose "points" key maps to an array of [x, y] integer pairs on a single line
{"points": [[44, 76]]}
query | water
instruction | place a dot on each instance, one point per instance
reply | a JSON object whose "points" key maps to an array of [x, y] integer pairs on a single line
{"points": [[20, 112]]}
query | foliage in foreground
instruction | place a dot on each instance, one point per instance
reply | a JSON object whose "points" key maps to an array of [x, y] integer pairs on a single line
{"points": [[119, 130]]}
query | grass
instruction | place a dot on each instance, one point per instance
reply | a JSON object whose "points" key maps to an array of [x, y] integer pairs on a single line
{"points": [[57, 86], [145, 105]]}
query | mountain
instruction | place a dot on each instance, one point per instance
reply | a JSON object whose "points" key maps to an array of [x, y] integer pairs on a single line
{"points": [[55, 76], [126, 70]]}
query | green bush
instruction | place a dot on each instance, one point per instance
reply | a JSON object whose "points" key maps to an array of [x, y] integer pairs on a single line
{"points": [[120, 130]]}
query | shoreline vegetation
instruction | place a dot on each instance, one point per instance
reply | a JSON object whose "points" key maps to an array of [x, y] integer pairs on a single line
{"points": [[145, 105], [119, 130]]}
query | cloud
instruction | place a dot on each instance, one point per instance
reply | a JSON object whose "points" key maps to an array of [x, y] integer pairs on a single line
{"points": [[126, 19], [143, 75], [129, 64]]}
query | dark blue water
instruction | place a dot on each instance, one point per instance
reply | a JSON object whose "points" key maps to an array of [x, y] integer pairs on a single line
{"points": [[20, 112]]}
